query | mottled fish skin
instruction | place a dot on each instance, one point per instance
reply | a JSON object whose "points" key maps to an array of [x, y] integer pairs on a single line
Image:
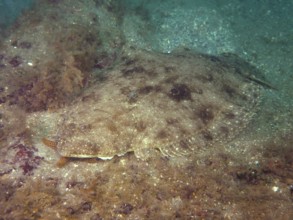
{"points": [[178, 103]]}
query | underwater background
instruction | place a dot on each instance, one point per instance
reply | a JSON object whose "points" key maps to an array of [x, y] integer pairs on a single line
{"points": [[51, 50]]}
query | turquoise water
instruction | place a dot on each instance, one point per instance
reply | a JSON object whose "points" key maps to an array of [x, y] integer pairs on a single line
{"points": [[11, 9]]}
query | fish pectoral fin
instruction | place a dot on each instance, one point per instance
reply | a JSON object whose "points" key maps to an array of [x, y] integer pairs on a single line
{"points": [[262, 83], [62, 161]]}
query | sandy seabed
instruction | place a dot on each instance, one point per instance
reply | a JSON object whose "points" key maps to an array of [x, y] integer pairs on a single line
{"points": [[48, 58]]}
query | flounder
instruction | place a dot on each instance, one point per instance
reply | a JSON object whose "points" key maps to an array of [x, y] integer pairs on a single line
{"points": [[177, 103]]}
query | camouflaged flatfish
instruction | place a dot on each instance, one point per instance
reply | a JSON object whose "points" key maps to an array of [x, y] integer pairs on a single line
{"points": [[177, 103]]}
